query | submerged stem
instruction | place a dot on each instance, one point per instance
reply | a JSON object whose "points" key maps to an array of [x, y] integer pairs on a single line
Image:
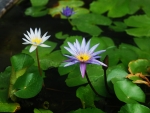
{"points": [[89, 82], [37, 56]]}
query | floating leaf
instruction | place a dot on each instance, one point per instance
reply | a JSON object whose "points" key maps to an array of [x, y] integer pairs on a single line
{"points": [[9, 107], [86, 96], [37, 3], [60, 35], [128, 92], [36, 11], [87, 23], [28, 85], [134, 108], [139, 66], [140, 23], [87, 110], [42, 111], [52, 60]]}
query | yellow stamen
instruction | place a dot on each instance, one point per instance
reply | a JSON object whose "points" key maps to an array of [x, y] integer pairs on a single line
{"points": [[36, 41], [83, 57]]}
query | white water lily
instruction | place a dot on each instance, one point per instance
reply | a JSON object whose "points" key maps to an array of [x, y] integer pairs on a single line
{"points": [[35, 39]]}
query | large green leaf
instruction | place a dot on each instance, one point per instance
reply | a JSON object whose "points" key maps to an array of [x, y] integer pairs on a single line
{"points": [[139, 66], [21, 61], [128, 92], [115, 8], [87, 23], [86, 96], [126, 54], [134, 108], [42, 111], [94, 72], [9, 107], [4, 84], [88, 110], [140, 23], [53, 59], [39, 2], [28, 85]]}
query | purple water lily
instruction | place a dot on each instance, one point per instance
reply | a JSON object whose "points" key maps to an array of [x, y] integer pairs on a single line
{"points": [[67, 11], [83, 54]]}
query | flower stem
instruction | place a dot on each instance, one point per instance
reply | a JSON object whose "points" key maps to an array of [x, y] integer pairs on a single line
{"points": [[37, 56], [89, 82], [105, 75]]}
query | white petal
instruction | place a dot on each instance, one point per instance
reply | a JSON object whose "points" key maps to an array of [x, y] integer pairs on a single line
{"points": [[87, 46], [83, 44], [98, 52], [44, 45], [77, 45], [93, 48], [72, 48], [26, 40], [32, 48], [27, 37], [26, 43], [39, 33], [69, 63], [44, 38], [70, 51]]}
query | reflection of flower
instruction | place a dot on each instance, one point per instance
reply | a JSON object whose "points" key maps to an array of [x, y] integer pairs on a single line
{"points": [[34, 38], [67, 11], [83, 54]]}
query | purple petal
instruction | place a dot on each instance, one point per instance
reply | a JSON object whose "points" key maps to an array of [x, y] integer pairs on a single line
{"points": [[70, 51], [70, 63], [87, 46], [82, 69], [94, 61], [93, 48], [83, 44], [97, 53]]}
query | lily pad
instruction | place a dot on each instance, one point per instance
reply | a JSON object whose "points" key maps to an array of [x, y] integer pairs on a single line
{"points": [[139, 66], [134, 108], [128, 92]]}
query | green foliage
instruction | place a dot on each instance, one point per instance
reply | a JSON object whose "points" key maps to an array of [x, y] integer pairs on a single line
{"points": [[38, 8], [42, 111], [128, 92], [139, 66], [88, 110], [134, 108], [28, 85], [9, 107], [87, 23]]}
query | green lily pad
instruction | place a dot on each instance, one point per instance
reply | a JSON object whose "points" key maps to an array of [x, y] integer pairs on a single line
{"points": [[86, 96], [139, 66], [60, 35], [9, 107], [37, 3], [134, 108], [140, 24], [117, 8], [128, 92], [87, 23], [87, 110], [28, 85]]}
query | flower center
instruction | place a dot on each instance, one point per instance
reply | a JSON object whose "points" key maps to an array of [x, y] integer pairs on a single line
{"points": [[83, 57], [36, 41]]}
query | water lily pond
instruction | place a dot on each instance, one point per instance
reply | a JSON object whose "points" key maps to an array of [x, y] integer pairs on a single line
{"points": [[75, 56]]}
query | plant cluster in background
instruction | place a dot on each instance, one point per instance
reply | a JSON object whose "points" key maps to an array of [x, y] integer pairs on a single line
{"points": [[122, 71]]}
